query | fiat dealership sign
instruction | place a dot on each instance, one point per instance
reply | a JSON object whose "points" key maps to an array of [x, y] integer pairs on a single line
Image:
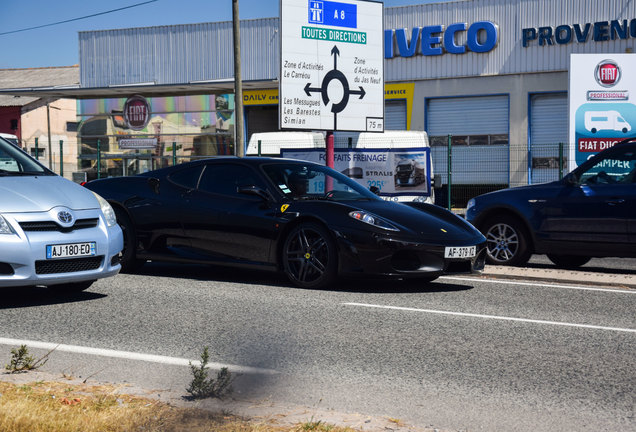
{"points": [[137, 112], [602, 109]]}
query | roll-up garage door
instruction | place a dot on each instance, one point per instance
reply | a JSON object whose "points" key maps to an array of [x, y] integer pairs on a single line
{"points": [[548, 128], [395, 115], [479, 127]]}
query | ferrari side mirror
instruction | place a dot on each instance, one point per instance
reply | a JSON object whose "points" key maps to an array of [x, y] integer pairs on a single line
{"points": [[153, 184]]}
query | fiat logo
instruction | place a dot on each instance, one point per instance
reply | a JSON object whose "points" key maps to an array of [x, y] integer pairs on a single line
{"points": [[607, 73], [65, 217], [137, 112]]}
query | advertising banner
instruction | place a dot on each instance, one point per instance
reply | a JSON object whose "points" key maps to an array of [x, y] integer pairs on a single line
{"points": [[395, 172], [602, 110]]}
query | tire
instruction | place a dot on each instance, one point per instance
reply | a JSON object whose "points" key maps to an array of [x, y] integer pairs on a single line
{"points": [[506, 241], [69, 288], [309, 256], [129, 261], [569, 261]]}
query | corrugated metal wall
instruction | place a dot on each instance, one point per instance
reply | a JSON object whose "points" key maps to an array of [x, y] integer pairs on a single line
{"points": [[183, 53], [511, 17], [178, 54]]}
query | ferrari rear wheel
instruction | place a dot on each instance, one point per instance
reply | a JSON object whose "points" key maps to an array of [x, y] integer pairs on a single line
{"points": [[310, 259], [129, 261], [507, 241]]}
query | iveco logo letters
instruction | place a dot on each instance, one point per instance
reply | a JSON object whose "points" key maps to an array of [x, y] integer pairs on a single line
{"points": [[607, 73], [65, 217]]}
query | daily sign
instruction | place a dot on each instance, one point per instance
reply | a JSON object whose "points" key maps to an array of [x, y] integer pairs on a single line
{"points": [[331, 75]]}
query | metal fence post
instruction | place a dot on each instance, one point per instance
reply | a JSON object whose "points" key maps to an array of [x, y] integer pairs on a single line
{"points": [[560, 160], [37, 151], [259, 148], [62, 158], [174, 153], [450, 171], [99, 159]]}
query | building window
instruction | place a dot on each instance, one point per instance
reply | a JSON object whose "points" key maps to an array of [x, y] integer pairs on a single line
{"points": [[71, 126], [14, 124], [469, 140], [40, 152]]}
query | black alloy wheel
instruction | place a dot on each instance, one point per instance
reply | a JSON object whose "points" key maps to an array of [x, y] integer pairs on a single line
{"points": [[507, 241], [310, 259]]}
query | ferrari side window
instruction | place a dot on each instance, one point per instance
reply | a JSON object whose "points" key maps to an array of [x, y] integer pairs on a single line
{"points": [[225, 179]]}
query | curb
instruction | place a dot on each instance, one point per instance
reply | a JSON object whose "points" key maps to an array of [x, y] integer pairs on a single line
{"points": [[561, 276]]}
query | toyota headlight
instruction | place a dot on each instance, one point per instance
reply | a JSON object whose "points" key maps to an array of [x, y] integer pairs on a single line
{"points": [[5, 228], [372, 219], [109, 213]]}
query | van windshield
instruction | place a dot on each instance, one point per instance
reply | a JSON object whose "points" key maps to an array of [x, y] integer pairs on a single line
{"points": [[13, 161]]}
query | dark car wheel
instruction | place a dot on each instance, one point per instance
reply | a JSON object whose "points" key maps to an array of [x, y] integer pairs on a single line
{"points": [[507, 241], [569, 261], [129, 261], [71, 287], [310, 259]]}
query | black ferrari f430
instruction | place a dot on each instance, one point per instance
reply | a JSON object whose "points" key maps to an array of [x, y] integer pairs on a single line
{"points": [[304, 219]]}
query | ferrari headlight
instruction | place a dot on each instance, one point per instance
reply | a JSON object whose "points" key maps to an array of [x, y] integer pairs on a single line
{"points": [[372, 219], [109, 213], [5, 228]]}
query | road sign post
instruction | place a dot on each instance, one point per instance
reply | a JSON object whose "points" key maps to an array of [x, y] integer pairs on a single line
{"points": [[332, 66]]}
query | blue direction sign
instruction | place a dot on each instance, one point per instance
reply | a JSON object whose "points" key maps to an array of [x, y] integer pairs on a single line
{"points": [[333, 13]]}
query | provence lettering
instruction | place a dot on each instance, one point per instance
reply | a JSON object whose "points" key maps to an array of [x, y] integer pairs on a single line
{"points": [[564, 34]]}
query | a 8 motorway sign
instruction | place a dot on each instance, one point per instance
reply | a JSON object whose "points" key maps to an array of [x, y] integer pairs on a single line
{"points": [[332, 70]]}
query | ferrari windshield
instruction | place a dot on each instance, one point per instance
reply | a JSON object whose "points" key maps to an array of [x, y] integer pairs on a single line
{"points": [[14, 161], [300, 181]]}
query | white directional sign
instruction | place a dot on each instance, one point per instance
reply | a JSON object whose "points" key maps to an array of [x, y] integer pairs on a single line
{"points": [[332, 65]]}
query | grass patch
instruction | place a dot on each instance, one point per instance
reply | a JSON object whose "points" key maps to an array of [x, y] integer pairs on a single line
{"points": [[60, 407]]}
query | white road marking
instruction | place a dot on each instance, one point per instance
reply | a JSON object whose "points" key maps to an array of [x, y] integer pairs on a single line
{"points": [[543, 285], [175, 361], [493, 317]]}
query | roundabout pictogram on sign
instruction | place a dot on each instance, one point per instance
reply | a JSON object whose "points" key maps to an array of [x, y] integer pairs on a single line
{"points": [[335, 74]]}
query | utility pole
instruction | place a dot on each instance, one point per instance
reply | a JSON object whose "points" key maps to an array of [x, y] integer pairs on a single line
{"points": [[48, 127], [239, 147]]}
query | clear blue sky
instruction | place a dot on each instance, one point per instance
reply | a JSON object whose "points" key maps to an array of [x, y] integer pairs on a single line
{"points": [[58, 45]]}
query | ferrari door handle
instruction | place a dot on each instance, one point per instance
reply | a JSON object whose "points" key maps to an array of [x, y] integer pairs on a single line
{"points": [[615, 201]]}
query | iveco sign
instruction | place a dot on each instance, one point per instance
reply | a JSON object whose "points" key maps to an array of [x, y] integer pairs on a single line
{"points": [[458, 38]]}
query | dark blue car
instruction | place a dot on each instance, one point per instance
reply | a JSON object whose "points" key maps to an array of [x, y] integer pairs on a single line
{"points": [[591, 212]]}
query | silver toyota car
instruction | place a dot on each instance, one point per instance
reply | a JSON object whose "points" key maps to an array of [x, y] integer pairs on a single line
{"points": [[53, 232]]}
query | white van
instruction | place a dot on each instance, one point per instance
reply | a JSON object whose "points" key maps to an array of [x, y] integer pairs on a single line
{"points": [[270, 143], [307, 145], [11, 138], [606, 120]]}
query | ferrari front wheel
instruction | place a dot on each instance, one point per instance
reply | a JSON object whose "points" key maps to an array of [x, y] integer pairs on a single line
{"points": [[310, 258]]}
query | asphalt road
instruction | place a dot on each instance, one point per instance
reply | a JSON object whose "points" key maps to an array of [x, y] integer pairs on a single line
{"points": [[458, 354]]}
